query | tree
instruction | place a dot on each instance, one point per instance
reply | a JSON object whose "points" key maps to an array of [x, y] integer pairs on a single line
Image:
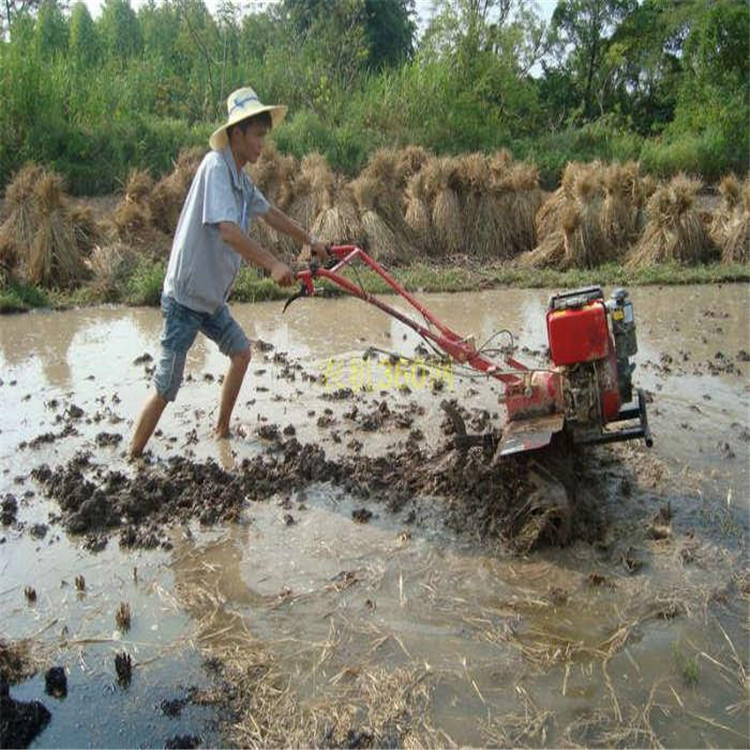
{"points": [[11, 9], [386, 26], [389, 30], [82, 39], [582, 29], [159, 26], [51, 29], [119, 29]]}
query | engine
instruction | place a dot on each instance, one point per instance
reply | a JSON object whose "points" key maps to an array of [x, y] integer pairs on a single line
{"points": [[591, 341]]}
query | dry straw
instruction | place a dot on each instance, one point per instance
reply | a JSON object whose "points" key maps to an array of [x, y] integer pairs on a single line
{"points": [[39, 234], [54, 259], [168, 195], [384, 169], [381, 241], [109, 266], [133, 216], [481, 215], [674, 231], [441, 184], [519, 197], [409, 161], [619, 220], [339, 222], [417, 216], [568, 223], [735, 247]]}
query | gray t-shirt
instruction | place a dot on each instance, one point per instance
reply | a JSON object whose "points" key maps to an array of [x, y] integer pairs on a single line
{"points": [[201, 267]]}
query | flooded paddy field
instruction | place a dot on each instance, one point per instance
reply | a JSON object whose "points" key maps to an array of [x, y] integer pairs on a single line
{"points": [[325, 577]]}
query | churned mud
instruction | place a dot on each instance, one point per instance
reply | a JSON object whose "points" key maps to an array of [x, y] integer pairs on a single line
{"points": [[480, 499]]}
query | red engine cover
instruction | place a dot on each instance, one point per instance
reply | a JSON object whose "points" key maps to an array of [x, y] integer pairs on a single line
{"points": [[579, 334]]}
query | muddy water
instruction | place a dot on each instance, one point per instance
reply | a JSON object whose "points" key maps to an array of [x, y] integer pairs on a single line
{"points": [[631, 640]]}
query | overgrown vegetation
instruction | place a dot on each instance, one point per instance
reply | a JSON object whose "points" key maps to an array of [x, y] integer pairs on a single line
{"points": [[657, 81]]}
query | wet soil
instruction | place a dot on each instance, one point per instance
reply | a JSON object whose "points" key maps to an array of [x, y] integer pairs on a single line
{"points": [[481, 499], [336, 551]]}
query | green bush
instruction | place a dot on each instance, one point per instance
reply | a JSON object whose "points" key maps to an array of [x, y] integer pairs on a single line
{"points": [[19, 297], [145, 285]]}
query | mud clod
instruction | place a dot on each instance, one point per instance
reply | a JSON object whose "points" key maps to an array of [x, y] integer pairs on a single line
{"points": [[123, 668], [8, 510], [187, 741], [20, 722], [56, 682], [108, 439], [122, 616], [172, 708], [361, 515]]}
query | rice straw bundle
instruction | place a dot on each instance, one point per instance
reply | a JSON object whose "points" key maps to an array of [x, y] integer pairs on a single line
{"points": [[168, 195], [440, 186], [417, 215], [620, 208], [674, 231], [500, 162], [280, 188], [108, 266], [339, 222], [730, 190], [383, 168], [551, 251], [548, 218], [133, 216], [313, 189], [409, 161], [381, 241], [585, 244], [736, 245], [22, 205], [86, 230], [39, 233], [54, 259], [568, 223], [480, 213], [519, 198]]}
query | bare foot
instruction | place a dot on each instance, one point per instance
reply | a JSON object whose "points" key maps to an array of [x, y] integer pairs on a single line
{"points": [[221, 432]]}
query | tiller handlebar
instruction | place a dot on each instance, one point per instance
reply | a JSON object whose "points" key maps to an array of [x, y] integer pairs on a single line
{"points": [[459, 347]]}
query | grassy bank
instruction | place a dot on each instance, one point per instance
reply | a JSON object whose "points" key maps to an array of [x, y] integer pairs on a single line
{"points": [[143, 287]]}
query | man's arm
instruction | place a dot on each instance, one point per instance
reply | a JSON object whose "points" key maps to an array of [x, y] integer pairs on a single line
{"points": [[279, 221], [253, 253]]}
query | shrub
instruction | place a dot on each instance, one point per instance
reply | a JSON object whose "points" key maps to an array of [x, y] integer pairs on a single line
{"points": [[145, 285]]}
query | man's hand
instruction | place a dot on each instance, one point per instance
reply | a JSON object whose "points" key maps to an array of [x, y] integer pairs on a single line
{"points": [[320, 251], [282, 274]]}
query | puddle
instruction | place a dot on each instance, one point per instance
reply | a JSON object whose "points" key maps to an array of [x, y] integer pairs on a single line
{"points": [[632, 640]]}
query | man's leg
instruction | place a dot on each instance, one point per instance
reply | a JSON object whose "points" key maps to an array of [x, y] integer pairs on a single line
{"points": [[230, 390], [177, 336], [146, 423]]}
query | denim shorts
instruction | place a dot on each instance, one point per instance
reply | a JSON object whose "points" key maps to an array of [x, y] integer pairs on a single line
{"points": [[181, 326]]}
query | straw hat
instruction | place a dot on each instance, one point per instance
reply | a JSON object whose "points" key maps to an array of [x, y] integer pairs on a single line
{"points": [[242, 104]]}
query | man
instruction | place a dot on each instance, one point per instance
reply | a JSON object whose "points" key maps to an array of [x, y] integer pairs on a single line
{"points": [[209, 245]]}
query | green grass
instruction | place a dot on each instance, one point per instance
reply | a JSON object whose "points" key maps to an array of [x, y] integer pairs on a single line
{"points": [[17, 297], [144, 285], [687, 665]]}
